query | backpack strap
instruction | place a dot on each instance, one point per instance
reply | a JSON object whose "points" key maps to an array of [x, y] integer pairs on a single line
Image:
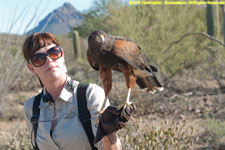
{"points": [[34, 118], [84, 113]]}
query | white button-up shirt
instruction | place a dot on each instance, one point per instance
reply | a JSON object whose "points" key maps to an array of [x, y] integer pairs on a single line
{"points": [[68, 133]]}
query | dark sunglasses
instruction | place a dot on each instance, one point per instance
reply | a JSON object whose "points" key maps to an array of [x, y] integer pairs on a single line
{"points": [[39, 59]]}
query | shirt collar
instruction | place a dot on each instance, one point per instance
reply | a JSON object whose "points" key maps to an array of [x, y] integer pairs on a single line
{"points": [[66, 93], [68, 90]]}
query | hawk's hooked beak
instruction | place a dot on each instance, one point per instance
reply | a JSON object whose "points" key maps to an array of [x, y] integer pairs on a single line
{"points": [[100, 38]]}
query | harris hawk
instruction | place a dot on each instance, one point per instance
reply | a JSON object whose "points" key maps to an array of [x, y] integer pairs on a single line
{"points": [[106, 53]]}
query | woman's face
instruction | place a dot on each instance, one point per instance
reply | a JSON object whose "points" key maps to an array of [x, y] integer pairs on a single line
{"points": [[51, 69]]}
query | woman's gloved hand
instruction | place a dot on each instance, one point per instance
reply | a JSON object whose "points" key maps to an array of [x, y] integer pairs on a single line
{"points": [[113, 119]]}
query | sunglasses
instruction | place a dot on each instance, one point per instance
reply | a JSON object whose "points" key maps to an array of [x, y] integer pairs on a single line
{"points": [[39, 59]]}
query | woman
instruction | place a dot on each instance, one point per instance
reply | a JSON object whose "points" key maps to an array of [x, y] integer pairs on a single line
{"points": [[58, 123]]}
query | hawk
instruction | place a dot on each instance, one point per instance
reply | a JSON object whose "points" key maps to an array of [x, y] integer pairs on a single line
{"points": [[106, 53]]}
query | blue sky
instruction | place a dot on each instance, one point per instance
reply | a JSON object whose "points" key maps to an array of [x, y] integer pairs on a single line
{"points": [[14, 8]]}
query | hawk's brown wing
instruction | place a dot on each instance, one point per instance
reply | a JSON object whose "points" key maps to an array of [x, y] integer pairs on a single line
{"points": [[130, 52]]}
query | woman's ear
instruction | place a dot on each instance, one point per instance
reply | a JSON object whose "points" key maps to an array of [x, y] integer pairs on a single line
{"points": [[30, 67]]}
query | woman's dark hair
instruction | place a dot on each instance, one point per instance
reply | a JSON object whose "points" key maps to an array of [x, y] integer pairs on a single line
{"points": [[36, 41]]}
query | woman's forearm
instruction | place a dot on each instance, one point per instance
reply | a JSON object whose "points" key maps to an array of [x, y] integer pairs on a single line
{"points": [[107, 144]]}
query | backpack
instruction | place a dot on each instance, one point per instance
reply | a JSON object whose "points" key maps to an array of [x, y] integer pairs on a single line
{"points": [[83, 114]]}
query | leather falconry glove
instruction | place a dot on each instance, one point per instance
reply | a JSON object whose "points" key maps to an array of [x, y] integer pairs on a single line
{"points": [[113, 119]]}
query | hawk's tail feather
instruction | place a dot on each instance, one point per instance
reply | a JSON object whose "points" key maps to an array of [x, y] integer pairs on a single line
{"points": [[149, 82]]}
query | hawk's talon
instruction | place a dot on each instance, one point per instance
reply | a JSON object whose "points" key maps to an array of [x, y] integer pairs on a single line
{"points": [[129, 103], [101, 111]]}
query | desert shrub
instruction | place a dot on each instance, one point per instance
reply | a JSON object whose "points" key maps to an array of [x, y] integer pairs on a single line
{"points": [[215, 128], [17, 139], [10, 61], [166, 136]]}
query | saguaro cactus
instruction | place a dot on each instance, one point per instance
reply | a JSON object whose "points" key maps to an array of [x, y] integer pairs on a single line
{"points": [[209, 19], [76, 44]]}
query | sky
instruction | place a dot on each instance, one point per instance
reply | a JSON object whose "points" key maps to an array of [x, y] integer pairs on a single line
{"points": [[15, 15]]}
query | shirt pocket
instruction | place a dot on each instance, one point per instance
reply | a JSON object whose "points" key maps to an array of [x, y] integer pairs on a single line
{"points": [[68, 111]]}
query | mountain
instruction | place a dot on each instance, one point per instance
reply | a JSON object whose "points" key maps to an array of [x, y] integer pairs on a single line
{"points": [[60, 21]]}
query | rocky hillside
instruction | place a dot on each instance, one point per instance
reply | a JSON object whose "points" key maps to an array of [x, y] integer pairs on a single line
{"points": [[60, 21]]}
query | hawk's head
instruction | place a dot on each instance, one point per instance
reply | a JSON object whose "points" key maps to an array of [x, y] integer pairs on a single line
{"points": [[97, 37]]}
